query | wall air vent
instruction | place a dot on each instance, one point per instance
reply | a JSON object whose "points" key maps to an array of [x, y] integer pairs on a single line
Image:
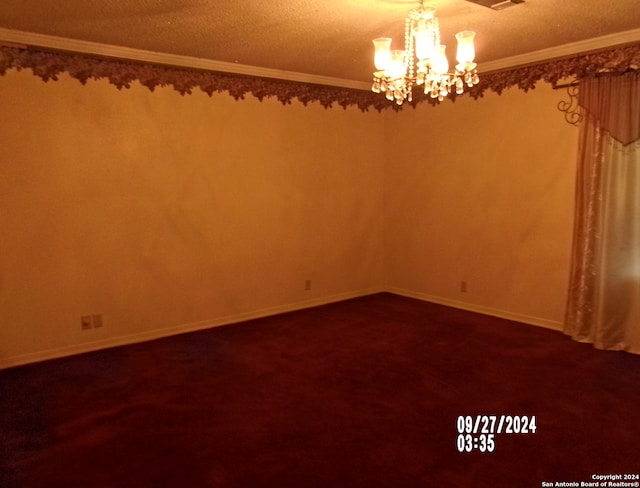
{"points": [[496, 4]]}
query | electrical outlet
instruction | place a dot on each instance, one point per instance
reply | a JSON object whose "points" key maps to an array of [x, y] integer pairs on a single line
{"points": [[307, 284], [86, 322], [463, 286], [91, 321]]}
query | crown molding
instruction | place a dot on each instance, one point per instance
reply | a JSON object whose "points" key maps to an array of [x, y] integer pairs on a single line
{"points": [[562, 51], [15, 38]]}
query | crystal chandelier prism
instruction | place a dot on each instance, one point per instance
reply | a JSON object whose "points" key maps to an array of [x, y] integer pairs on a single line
{"points": [[423, 61]]}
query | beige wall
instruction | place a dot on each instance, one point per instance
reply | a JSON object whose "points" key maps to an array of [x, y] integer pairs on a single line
{"points": [[483, 194], [166, 213]]}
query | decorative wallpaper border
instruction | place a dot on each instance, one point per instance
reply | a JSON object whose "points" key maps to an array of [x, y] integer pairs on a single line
{"points": [[48, 65]]}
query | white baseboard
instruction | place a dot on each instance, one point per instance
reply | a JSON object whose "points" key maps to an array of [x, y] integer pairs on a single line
{"points": [[59, 352], [526, 319]]}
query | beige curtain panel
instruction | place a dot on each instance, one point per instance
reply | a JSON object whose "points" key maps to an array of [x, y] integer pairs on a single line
{"points": [[603, 306]]}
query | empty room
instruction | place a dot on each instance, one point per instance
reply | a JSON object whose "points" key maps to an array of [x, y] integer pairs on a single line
{"points": [[246, 246]]}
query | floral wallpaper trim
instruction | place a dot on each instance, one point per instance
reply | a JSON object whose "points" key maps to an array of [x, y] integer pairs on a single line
{"points": [[48, 65]]}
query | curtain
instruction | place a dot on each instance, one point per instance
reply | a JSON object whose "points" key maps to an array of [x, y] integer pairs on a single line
{"points": [[603, 305]]}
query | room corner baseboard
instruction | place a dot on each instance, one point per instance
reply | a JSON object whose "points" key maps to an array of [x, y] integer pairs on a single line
{"points": [[19, 360], [526, 319]]}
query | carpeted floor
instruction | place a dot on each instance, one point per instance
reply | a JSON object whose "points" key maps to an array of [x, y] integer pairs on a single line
{"points": [[361, 393]]}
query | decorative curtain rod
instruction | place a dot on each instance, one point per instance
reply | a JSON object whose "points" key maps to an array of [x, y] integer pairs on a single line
{"points": [[558, 86], [571, 108]]}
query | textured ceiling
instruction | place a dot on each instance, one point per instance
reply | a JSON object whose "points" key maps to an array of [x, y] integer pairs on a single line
{"points": [[328, 38]]}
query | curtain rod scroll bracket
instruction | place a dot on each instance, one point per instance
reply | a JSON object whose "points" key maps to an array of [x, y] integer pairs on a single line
{"points": [[572, 110]]}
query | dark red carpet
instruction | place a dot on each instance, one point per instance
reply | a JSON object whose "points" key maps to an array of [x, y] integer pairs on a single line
{"points": [[362, 393]]}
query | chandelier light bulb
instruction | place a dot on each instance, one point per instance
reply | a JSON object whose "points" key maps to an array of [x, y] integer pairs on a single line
{"points": [[425, 33], [466, 51], [440, 63], [382, 56], [425, 45], [396, 67]]}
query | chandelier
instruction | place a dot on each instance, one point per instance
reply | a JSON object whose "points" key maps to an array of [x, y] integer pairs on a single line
{"points": [[423, 61]]}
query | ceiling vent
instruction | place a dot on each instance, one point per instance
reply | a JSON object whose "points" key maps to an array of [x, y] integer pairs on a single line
{"points": [[496, 4]]}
